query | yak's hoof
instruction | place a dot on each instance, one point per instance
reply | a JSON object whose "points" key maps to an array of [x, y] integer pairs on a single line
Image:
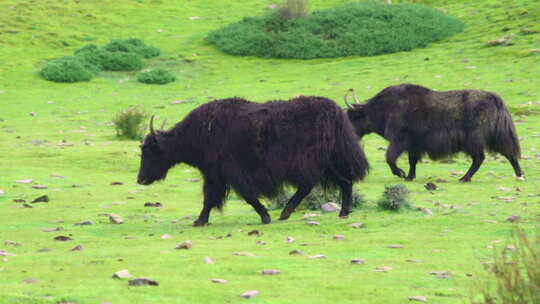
{"points": [[465, 180], [400, 173], [344, 217], [520, 178], [409, 179], [266, 219], [198, 223], [284, 217]]}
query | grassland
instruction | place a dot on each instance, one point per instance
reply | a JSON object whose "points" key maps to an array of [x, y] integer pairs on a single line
{"points": [[50, 128]]}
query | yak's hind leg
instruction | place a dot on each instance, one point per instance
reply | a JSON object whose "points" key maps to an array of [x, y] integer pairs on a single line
{"points": [[346, 199], [261, 210], [214, 194], [295, 200], [515, 164], [414, 157], [478, 157], [394, 151]]}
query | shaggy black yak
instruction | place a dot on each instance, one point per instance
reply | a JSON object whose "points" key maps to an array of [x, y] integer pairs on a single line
{"points": [[258, 148], [421, 121]]}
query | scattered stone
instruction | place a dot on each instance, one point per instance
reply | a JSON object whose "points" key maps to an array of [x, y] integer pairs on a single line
{"points": [[317, 256], [52, 229], [84, 223], [506, 198], [358, 261], [117, 183], [330, 207], [413, 261], [184, 245], [166, 236], [289, 239], [24, 181], [296, 252], [219, 281], [383, 269], [142, 282], [426, 211], [244, 253], [194, 18], [175, 102], [11, 243], [18, 200], [441, 274], [57, 175], [357, 225], [513, 219], [150, 204], [339, 237], [62, 238], [260, 242], [313, 223], [310, 215], [430, 186], [418, 298], [270, 272], [394, 246], [254, 232], [250, 294], [505, 189], [122, 274], [77, 248], [510, 247], [504, 41], [5, 253], [41, 199], [115, 219], [208, 260], [39, 187], [441, 180]]}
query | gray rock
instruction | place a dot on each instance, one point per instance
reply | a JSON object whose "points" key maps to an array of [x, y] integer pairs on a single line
{"points": [[357, 225], [244, 253], [250, 294], [62, 238], [418, 298], [383, 269], [166, 236], [317, 256], [313, 223], [11, 243], [77, 248], [39, 187], [219, 281], [296, 252], [289, 239], [270, 272], [208, 260], [358, 261], [394, 246], [52, 229], [513, 219], [84, 223], [115, 219], [5, 253], [142, 282], [122, 274], [41, 199], [330, 207], [339, 237], [184, 245]]}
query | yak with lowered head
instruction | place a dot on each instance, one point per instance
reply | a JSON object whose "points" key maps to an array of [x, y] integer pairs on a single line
{"points": [[422, 121], [257, 148]]}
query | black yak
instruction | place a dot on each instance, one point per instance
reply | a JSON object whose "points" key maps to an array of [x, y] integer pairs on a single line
{"points": [[257, 148], [421, 121]]}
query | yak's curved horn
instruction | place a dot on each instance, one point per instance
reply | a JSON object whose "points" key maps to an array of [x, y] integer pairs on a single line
{"points": [[347, 101], [152, 125], [163, 125], [356, 100]]}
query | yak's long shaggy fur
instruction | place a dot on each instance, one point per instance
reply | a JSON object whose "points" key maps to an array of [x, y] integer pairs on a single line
{"points": [[257, 148], [421, 121]]}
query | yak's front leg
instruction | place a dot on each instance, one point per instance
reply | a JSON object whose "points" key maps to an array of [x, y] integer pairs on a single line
{"points": [[346, 199], [477, 160], [214, 194], [394, 151], [261, 210], [414, 157]]}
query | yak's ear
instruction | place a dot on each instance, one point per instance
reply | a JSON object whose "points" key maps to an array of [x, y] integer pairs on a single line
{"points": [[358, 111]]}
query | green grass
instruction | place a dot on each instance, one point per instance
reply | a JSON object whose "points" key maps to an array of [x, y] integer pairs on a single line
{"points": [[70, 134]]}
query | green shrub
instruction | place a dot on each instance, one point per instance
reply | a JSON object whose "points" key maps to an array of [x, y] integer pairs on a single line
{"points": [[157, 76], [516, 273], [291, 9], [132, 45], [120, 61], [129, 123], [394, 198], [315, 199], [359, 28], [94, 56], [68, 69]]}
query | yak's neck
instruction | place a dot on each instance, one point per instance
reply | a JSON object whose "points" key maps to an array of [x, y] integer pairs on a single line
{"points": [[180, 147]]}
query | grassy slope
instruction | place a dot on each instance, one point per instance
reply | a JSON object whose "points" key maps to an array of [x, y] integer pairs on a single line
{"points": [[34, 31]]}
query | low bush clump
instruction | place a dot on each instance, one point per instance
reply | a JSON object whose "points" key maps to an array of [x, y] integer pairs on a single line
{"points": [[67, 69], [117, 55], [315, 199], [359, 28], [157, 76], [516, 271], [129, 123], [394, 198]]}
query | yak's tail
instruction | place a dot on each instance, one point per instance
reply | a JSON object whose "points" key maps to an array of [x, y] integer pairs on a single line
{"points": [[503, 135], [351, 161]]}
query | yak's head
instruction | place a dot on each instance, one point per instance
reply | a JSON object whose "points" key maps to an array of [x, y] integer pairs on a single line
{"points": [[358, 116], [155, 159]]}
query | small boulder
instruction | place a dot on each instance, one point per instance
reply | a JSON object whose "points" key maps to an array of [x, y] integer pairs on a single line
{"points": [[358, 261], [317, 256], [394, 246], [62, 238], [77, 248], [513, 219], [296, 252], [84, 223], [313, 223], [339, 237], [289, 239], [122, 274], [383, 269], [330, 207], [250, 294], [208, 260], [218, 281], [41, 199], [142, 282], [418, 298], [270, 272], [150, 204], [115, 219], [357, 225], [430, 186], [184, 245], [39, 187], [11, 243]]}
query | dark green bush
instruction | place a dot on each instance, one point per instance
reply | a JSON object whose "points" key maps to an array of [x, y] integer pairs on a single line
{"points": [[120, 61], [157, 76], [94, 56], [132, 45], [129, 123], [359, 28], [394, 198], [68, 69], [315, 199]]}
